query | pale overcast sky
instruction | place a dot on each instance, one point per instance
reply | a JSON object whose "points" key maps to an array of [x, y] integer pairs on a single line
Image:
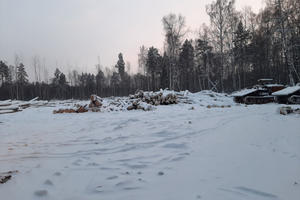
{"points": [[75, 32]]}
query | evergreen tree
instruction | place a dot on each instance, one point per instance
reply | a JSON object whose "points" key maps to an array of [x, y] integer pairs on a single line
{"points": [[203, 53], [62, 79], [153, 65], [121, 66], [56, 78], [240, 43], [3, 72], [22, 77], [186, 63], [115, 81], [100, 81]]}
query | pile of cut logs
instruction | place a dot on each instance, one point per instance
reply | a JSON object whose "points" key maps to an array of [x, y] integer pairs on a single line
{"points": [[138, 105], [144, 100], [157, 98], [94, 106], [10, 106], [139, 101]]}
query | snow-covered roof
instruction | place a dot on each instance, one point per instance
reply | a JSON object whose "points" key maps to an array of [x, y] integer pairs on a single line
{"points": [[274, 85], [265, 79], [244, 92], [287, 91]]}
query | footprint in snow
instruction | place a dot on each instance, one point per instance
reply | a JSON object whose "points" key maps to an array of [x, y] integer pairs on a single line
{"points": [[177, 158], [123, 183], [112, 177], [160, 173], [77, 162], [131, 188], [256, 192], [48, 182], [41, 193], [93, 164], [57, 174], [142, 180], [175, 146]]}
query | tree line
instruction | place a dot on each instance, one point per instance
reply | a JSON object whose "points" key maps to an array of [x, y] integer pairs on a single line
{"points": [[235, 50]]}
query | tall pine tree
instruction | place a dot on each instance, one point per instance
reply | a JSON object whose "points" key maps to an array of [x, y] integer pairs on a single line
{"points": [[121, 66]]}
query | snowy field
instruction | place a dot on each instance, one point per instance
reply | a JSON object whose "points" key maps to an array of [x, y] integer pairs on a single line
{"points": [[174, 152]]}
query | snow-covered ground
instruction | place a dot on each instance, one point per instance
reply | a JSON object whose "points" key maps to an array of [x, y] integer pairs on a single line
{"points": [[174, 152]]}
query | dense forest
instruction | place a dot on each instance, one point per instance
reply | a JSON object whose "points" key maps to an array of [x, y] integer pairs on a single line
{"points": [[233, 52]]}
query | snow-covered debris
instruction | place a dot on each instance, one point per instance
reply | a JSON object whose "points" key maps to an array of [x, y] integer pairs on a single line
{"points": [[285, 110], [209, 98], [287, 91], [9, 106], [6, 176]]}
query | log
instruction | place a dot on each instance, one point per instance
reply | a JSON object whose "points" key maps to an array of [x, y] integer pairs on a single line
{"points": [[34, 99], [96, 102], [4, 177], [12, 107], [80, 109], [5, 102], [8, 111]]}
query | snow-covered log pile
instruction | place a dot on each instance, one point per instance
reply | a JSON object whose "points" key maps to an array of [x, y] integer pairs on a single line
{"points": [[124, 103], [138, 105], [140, 101], [78, 109], [147, 101], [10, 106], [285, 110], [94, 106], [156, 98]]}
